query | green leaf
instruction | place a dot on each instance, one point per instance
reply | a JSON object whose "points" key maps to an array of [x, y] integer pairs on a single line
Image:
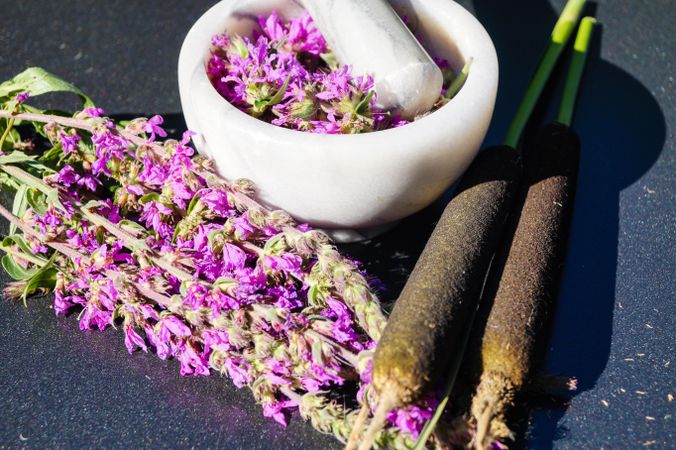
{"points": [[100, 236], [280, 43], [280, 93], [193, 203], [177, 231], [46, 170], [216, 240], [223, 283], [12, 138], [361, 106], [19, 240], [183, 289], [16, 157], [312, 294], [37, 200], [275, 245], [459, 80], [93, 204], [19, 206], [9, 181], [330, 60], [38, 81], [15, 270], [43, 278], [152, 197], [132, 227], [54, 200]]}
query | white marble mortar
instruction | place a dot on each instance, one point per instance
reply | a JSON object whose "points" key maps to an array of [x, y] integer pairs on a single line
{"points": [[351, 185]]}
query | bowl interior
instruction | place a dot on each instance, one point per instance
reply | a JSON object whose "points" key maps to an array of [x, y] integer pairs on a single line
{"points": [[243, 21]]}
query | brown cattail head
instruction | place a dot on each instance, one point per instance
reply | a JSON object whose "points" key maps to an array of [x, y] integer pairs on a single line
{"points": [[424, 331]]}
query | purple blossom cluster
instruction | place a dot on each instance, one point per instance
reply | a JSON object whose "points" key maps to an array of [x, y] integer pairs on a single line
{"points": [[286, 75], [147, 237]]}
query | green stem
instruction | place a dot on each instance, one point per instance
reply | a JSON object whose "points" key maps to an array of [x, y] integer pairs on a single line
{"points": [[459, 80], [560, 35], [26, 257], [134, 244], [243, 201], [26, 178], [85, 126], [577, 62], [10, 125], [127, 239], [27, 230]]}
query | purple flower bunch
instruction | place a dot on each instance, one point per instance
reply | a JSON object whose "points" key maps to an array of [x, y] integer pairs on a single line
{"points": [[142, 234], [287, 76]]}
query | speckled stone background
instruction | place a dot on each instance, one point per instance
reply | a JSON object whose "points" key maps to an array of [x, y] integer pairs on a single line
{"points": [[614, 329]]}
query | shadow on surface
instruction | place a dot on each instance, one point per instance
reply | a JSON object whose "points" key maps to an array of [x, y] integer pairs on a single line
{"points": [[622, 130]]}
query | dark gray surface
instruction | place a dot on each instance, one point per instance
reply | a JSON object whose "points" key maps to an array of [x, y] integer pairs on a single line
{"points": [[614, 330]]}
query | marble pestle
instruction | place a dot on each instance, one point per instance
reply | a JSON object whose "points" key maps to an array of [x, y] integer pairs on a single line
{"points": [[370, 36]]}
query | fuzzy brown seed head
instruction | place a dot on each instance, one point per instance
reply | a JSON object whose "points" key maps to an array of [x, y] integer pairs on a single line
{"points": [[495, 395], [401, 378], [500, 356], [424, 330]]}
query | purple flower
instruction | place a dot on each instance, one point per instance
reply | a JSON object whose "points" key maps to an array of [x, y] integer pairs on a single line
{"points": [[412, 419], [69, 142], [89, 181], [249, 74], [110, 211], [243, 226], [172, 325], [220, 40], [272, 27], [148, 312], [152, 173], [108, 295], [304, 36], [108, 144], [286, 262], [133, 340], [192, 363], [310, 384], [185, 138], [233, 257], [236, 311], [67, 176], [238, 371], [217, 201], [181, 193], [93, 112], [216, 340], [365, 380], [94, 317], [63, 303], [152, 126], [134, 189], [48, 222], [154, 214], [196, 296], [275, 410], [161, 347], [22, 97]]}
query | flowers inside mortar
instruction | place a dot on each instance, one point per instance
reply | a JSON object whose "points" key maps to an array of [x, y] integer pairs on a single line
{"points": [[286, 75]]}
